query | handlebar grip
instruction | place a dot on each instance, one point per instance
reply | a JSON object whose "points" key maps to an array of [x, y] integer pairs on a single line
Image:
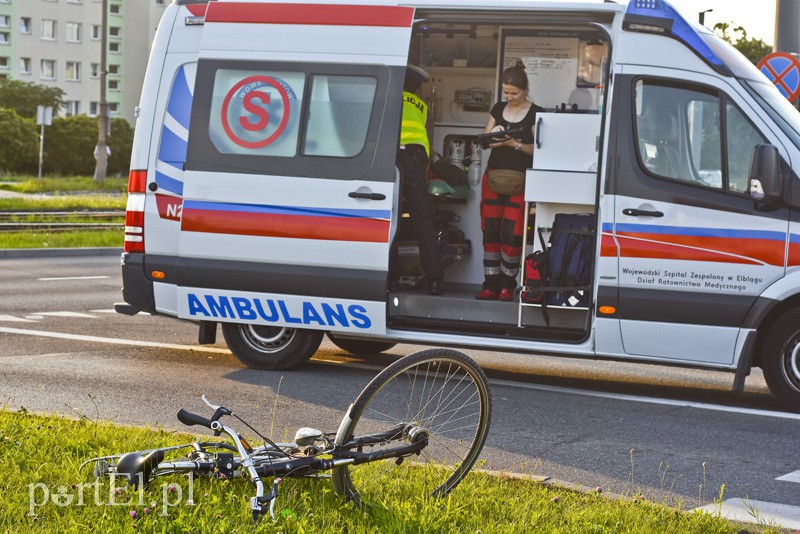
{"points": [[189, 419]]}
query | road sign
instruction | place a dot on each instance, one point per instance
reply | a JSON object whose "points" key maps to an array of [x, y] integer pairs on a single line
{"points": [[783, 70], [44, 115]]}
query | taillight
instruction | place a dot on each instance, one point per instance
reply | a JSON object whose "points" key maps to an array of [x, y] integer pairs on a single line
{"points": [[134, 231], [137, 180], [134, 212]]}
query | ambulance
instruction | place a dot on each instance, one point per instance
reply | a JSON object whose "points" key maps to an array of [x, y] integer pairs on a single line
{"points": [[264, 195]]}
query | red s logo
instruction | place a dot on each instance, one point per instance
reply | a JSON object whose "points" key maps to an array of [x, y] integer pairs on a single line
{"points": [[255, 109]]}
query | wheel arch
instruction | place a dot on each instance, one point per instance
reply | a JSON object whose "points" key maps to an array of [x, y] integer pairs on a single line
{"points": [[763, 314]]}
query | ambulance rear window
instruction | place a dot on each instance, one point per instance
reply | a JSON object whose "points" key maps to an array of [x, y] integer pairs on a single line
{"points": [[256, 112], [338, 115]]}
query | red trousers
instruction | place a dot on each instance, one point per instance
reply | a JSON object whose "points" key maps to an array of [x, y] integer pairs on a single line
{"points": [[502, 219]]}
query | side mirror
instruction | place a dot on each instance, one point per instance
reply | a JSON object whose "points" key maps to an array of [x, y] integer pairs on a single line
{"points": [[766, 181]]}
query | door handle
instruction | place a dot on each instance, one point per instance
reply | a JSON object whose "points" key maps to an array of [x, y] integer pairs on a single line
{"points": [[370, 196], [634, 212]]}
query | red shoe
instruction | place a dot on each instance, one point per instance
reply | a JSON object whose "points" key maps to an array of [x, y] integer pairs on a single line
{"points": [[486, 294], [506, 295]]}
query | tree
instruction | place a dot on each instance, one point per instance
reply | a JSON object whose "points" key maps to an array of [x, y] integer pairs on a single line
{"points": [[752, 49], [19, 143], [120, 141], [69, 146], [23, 97]]}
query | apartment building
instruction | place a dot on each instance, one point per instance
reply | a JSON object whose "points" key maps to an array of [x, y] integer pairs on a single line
{"points": [[58, 43]]}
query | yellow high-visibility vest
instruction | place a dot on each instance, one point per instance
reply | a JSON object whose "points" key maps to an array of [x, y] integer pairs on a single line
{"points": [[412, 129]]}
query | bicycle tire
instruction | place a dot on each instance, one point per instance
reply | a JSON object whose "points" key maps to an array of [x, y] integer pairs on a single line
{"points": [[450, 397]]}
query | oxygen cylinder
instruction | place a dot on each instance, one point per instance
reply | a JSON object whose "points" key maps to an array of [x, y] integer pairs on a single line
{"points": [[456, 152], [475, 160]]}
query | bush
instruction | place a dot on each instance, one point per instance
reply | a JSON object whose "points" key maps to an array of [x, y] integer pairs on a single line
{"points": [[70, 142], [19, 143]]}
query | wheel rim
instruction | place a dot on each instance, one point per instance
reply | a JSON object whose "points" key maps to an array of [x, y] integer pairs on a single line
{"points": [[266, 339], [790, 362], [451, 410]]}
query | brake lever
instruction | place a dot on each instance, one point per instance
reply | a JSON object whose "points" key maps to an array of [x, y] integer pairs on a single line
{"points": [[212, 406]]}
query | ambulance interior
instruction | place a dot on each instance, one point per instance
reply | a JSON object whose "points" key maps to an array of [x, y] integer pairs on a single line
{"points": [[566, 69]]}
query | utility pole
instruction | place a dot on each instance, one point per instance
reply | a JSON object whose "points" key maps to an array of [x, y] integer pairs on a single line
{"points": [[101, 150]]}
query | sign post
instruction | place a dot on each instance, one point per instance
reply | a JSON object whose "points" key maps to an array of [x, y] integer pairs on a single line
{"points": [[783, 70], [44, 117]]}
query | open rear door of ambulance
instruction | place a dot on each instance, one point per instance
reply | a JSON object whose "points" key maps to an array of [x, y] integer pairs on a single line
{"points": [[290, 177]]}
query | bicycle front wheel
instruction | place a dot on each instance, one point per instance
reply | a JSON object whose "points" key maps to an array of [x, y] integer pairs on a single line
{"points": [[442, 393]]}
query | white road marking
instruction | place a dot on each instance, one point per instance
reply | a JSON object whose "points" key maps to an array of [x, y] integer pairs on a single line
{"points": [[66, 314], [760, 512], [111, 340], [58, 278], [104, 311], [12, 319], [649, 400], [791, 477]]}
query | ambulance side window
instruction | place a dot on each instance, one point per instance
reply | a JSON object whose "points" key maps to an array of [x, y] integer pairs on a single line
{"points": [[339, 115], [693, 135]]}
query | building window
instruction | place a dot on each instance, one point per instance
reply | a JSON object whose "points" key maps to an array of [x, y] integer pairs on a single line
{"points": [[115, 9], [4, 38], [114, 31], [94, 70], [49, 30], [47, 69], [159, 2], [25, 25], [5, 21], [73, 30], [72, 107], [113, 108], [73, 71], [24, 65], [113, 85], [93, 107], [97, 32], [3, 62], [113, 70], [114, 47]]}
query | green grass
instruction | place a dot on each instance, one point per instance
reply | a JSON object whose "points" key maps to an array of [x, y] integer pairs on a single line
{"points": [[84, 238], [40, 456], [63, 185], [63, 194]]}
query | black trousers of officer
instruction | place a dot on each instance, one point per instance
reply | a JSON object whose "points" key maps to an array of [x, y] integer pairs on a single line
{"points": [[413, 163]]}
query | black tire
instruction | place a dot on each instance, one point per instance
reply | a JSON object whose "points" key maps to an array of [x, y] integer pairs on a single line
{"points": [[440, 390], [272, 348], [780, 360], [360, 346]]}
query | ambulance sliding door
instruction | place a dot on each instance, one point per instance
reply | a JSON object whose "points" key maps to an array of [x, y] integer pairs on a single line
{"points": [[290, 174]]}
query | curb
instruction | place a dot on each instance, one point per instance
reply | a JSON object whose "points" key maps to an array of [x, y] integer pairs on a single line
{"points": [[59, 252]]}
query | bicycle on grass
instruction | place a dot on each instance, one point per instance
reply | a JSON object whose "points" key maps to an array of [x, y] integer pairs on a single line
{"points": [[421, 422]]}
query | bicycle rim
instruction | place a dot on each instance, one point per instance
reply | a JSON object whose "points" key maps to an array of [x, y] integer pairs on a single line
{"points": [[439, 390]]}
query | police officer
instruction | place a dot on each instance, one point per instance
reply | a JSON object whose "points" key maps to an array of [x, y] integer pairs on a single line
{"points": [[412, 158]]}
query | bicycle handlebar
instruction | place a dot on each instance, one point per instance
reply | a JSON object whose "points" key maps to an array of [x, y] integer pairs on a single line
{"points": [[189, 419]]}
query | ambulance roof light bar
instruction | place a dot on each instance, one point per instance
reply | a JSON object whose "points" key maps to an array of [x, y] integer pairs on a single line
{"points": [[657, 16]]}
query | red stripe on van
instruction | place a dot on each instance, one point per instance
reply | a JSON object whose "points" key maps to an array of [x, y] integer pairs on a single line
{"points": [[198, 10], [322, 14], [288, 226]]}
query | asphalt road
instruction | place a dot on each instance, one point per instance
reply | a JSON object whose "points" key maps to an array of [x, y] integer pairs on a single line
{"points": [[675, 435]]}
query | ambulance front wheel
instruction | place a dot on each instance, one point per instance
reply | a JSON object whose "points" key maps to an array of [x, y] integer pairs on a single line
{"points": [[360, 346], [272, 348], [780, 360]]}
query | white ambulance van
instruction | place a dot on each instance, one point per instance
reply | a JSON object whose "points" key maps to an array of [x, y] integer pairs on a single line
{"points": [[264, 194]]}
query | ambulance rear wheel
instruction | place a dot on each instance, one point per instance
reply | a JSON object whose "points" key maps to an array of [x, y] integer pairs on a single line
{"points": [[780, 360], [271, 347], [360, 346]]}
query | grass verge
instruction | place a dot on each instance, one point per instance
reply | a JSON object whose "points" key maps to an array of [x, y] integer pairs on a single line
{"points": [[62, 185], [74, 239], [42, 490]]}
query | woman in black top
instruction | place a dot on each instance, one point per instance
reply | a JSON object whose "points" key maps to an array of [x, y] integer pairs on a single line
{"points": [[502, 215]]}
